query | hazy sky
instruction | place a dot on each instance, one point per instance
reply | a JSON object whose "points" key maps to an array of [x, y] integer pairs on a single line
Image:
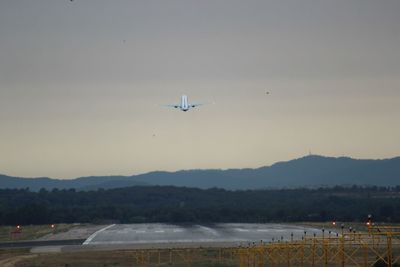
{"points": [[81, 83]]}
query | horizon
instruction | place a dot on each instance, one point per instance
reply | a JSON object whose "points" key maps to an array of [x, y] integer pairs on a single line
{"points": [[205, 169], [82, 84]]}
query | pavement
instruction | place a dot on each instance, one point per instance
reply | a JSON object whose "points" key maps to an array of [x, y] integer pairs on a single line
{"points": [[157, 235], [162, 235], [77, 232], [40, 243]]}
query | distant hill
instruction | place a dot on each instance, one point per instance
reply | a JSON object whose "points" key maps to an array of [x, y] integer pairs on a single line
{"points": [[82, 183], [309, 171]]}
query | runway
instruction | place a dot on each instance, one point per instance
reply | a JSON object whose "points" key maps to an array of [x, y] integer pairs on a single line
{"points": [[165, 234], [40, 243]]}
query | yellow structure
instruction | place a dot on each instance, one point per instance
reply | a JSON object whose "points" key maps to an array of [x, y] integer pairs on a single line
{"points": [[380, 246]]}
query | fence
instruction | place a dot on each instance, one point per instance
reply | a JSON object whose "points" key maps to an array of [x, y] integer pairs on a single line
{"points": [[380, 246]]}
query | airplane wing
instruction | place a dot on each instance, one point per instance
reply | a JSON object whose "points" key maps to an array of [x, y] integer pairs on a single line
{"points": [[197, 104], [200, 104], [172, 106]]}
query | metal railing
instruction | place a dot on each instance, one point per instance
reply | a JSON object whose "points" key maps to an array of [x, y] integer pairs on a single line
{"points": [[380, 246]]}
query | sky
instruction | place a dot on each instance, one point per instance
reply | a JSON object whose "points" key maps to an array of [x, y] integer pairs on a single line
{"points": [[83, 84]]}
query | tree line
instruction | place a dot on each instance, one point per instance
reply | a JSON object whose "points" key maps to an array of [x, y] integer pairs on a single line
{"points": [[170, 204]]}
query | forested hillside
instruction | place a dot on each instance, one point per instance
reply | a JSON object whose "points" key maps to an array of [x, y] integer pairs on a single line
{"points": [[310, 171], [188, 205]]}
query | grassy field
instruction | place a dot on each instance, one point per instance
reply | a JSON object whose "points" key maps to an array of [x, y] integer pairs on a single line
{"points": [[29, 232], [103, 259], [9, 253]]}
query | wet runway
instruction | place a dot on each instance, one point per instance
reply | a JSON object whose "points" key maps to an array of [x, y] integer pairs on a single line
{"points": [[232, 233]]}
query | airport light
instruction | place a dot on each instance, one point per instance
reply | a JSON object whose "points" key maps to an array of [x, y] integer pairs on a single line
{"points": [[369, 221], [52, 226], [334, 223]]}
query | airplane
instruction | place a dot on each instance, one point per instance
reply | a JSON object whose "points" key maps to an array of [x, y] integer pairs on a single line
{"points": [[184, 105]]}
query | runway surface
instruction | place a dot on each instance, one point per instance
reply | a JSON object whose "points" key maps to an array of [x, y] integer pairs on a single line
{"points": [[231, 233], [40, 243]]}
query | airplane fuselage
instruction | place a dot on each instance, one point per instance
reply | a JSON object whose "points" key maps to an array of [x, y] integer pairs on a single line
{"points": [[184, 103]]}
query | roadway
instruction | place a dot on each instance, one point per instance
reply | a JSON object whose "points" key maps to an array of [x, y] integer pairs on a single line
{"points": [[232, 233], [157, 235]]}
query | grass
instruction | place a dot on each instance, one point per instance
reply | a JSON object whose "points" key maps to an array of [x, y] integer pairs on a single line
{"points": [[106, 259], [81, 259], [9, 253], [30, 232]]}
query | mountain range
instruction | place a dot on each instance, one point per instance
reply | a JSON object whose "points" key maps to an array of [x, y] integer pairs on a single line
{"points": [[308, 171]]}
